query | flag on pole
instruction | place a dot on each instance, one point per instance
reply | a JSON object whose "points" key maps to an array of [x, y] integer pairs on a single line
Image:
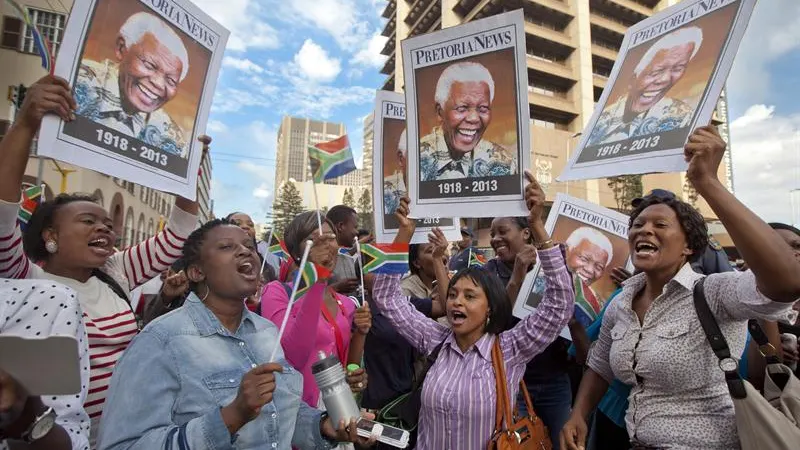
{"points": [[331, 159], [476, 260], [278, 248], [385, 258], [39, 40], [31, 199], [311, 274]]}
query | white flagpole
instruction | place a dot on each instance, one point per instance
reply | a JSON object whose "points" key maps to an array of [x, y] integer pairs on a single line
{"points": [[360, 271], [296, 286], [316, 200], [43, 190], [469, 261], [264, 257]]}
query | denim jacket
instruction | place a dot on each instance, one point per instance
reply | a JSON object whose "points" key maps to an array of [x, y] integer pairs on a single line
{"points": [[169, 386]]}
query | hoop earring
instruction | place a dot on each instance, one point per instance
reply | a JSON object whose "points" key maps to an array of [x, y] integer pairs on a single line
{"points": [[51, 246], [202, 300]]}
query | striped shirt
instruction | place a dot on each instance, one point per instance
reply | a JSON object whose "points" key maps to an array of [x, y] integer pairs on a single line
{"points": [[459, 396], [108, 319]]}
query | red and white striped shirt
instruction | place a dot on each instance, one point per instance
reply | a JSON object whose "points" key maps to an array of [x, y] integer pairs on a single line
{"points": [[108, 319]]}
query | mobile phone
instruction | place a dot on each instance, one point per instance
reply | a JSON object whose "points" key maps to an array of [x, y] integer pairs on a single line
{"points": [[387, 434]]}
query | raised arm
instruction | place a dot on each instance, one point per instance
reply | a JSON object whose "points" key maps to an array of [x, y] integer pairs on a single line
{"points": [[49, 95], [765, 252], [529, 337], [439, 242]]}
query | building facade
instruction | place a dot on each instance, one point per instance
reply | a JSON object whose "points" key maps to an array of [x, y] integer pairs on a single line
{"points": [[571, 49], [137, 211], [368, 147]]}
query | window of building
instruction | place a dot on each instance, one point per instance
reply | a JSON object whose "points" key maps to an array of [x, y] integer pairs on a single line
{"points": [[51, 25], [12, 33]]}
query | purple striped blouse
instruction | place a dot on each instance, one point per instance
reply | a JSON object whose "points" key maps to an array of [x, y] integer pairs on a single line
{"points": [[458, 396]]}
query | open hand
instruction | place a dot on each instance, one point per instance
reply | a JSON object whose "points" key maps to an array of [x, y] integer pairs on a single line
{"points": [[439, 242], [50, 94], [704, 153]]}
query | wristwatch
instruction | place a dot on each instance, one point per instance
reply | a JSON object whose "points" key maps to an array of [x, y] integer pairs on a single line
{"points": [[41, 426]]}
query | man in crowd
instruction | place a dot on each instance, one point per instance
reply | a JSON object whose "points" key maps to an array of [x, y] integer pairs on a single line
{"points": [[455, 149], [37, 309], [394, 185], [464, 247], [345, 276], [646, 108], [128, 93]]}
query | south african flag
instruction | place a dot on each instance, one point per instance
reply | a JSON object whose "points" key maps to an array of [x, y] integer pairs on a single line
{"points": [[278, 248], [32, 197], [310, 275], [476, 259], [385, 258], [331, 159]]}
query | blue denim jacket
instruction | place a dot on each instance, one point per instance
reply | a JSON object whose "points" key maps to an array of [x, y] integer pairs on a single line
{"points": [[169, 386]]}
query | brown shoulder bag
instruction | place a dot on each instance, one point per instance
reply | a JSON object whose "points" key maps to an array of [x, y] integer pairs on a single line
{"points": [[526, 433]]}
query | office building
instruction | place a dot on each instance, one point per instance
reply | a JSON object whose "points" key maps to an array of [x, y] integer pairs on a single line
{"points": [[369, 137], [137, 211], [571, 49]]}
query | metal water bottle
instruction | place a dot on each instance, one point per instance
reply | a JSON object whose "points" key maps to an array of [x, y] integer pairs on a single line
{"points": [[336, 395]]}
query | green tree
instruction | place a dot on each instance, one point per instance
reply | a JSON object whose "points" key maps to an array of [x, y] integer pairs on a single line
{"points": [[364, 209], [349, 198], [625, 189], [288, 204]]}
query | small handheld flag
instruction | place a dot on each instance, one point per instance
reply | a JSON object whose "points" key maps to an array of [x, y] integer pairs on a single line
{"points": [[278, 248], [311, 274], [385, 258], [295, 287], [331, 159], [31, 199], [39, 40], [476, 259]]}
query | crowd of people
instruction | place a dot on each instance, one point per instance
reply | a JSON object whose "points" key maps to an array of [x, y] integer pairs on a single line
{"points": [[194, 369]]}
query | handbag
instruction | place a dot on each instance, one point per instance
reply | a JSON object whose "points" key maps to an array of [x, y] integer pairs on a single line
{"points": [[403, 411], [525, 433], [770, 421]]}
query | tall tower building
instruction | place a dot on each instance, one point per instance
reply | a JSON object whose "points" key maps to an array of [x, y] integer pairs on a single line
{"points": [[294, 137], [369, 136], [571, 49]]}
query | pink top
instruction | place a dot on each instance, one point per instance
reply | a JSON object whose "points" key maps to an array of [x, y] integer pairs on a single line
{"points": [[307, 331]]}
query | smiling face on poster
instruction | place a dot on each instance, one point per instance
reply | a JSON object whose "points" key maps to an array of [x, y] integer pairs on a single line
{"points": [[597, 241], [670, 72], [390, 173], [143, 74], [468, 139]]}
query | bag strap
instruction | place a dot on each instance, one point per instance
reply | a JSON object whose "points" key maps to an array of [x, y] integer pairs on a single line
{"points": [[718, 343], [766, 349], [429, 361], [503, 410]]}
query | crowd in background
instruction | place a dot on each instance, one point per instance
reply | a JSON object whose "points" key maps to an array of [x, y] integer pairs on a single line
{"points": [[198, 375]]}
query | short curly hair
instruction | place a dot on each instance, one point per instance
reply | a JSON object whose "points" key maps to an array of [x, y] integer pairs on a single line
{"points": [[42, 219], [691, 221], [194, 243]]}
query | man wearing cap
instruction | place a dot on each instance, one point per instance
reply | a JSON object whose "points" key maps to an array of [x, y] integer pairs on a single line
{"points": [[714, 260], [465, 247]]}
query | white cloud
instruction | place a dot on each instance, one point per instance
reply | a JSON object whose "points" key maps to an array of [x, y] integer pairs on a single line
{"points": [[773, 31], [266, 136], [315, 64], [766, 161], [216, 127], [370, 55], [243, 64], [343, 19], [246, 19], [262, 191]]}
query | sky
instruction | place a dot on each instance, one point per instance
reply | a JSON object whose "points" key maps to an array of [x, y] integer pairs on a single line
{"points": [[321, 59]]}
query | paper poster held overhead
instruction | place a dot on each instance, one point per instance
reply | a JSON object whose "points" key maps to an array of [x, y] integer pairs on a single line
{"points": [[143, 74], [468, 119], [390, 174], [666, 81]]}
